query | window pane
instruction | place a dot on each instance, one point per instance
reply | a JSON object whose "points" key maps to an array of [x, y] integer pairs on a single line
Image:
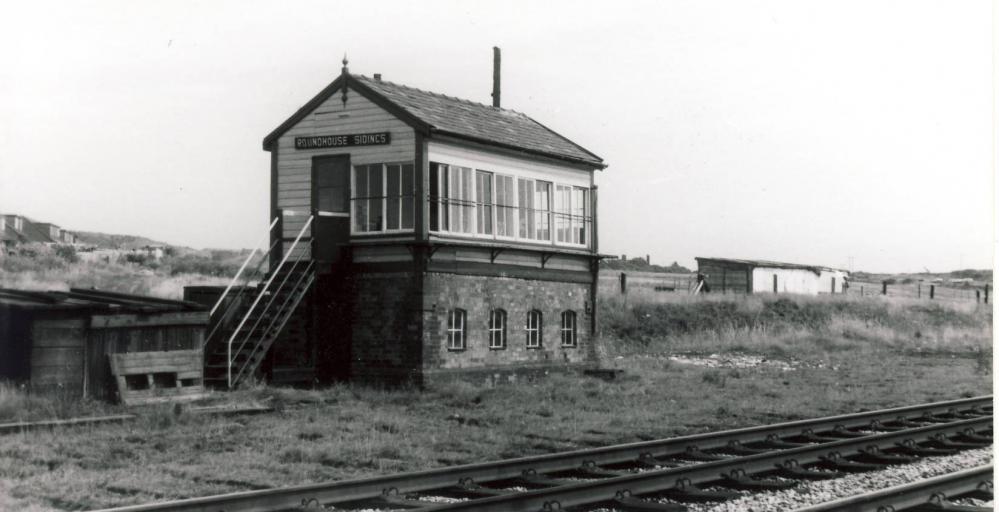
{"points": [[407, 190], [468, 209], [542, 205], [453, 196], [360, 205], [484, 198], [434, 197], [392, 177], [375, 191], [525, 188]]}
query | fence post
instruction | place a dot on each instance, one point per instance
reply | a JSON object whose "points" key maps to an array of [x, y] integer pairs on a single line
{"points": [[884, 287], [986, 294], [978, 296], [933, 289], [624, 283], [861, 290], [919, 290]]}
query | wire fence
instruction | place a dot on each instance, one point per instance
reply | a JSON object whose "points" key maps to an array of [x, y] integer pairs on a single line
{"points": [[922, 290], [653, 284]]}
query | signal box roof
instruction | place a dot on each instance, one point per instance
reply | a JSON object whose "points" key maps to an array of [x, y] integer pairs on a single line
{"points": [[433, 113]]}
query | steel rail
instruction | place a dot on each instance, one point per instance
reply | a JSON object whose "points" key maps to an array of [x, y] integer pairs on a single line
{"points": [[922, 492], [367, 488], [614, 488]]}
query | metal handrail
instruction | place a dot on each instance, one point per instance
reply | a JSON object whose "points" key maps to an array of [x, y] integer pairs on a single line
{"points": [[274, 294], [234, 304], [260, 295], [281, 310], [245, 263]]}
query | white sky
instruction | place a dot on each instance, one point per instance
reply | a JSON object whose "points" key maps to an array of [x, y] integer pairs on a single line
{"points": [[807, 131]]}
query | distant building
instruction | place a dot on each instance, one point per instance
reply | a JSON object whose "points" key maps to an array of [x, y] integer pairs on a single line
{"points": [[18, 229], [724, 275]]}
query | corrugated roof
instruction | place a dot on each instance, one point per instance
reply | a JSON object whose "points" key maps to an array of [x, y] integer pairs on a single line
{"points": [[485, 123], [770, 264], [80, 298]]}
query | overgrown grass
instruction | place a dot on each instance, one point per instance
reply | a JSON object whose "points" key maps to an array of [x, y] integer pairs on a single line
{"points": [[797, 325], [16, 404], [45, 269]]}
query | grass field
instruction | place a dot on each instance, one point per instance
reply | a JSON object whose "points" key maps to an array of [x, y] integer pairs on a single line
{"points": [[45, 268], [692, 365]]}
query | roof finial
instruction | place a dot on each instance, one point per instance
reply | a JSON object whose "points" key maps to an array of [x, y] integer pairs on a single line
{"points": [[344, 73]]}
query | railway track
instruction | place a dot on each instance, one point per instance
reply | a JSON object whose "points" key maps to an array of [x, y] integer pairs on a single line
{"points": [[929, 494], [620, 476]]}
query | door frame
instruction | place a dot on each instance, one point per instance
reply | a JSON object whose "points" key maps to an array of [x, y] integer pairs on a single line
{"points": [[314, 195]]}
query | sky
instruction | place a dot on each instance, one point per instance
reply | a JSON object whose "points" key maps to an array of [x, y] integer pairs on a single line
{"points": [[856, 134]]}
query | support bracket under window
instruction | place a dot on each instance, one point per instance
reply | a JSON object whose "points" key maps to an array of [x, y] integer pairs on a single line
{"points": [[494, 252], [545, 256], [430, 253]]}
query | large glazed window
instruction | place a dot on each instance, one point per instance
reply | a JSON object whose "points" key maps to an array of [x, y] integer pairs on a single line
{"points": [[383, 197], [484, 204], [506, 207], [572, 221], [452, 203], [535, 209]]}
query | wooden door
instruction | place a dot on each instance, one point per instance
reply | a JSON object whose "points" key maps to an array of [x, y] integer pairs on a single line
{"points": [[331, 202]]}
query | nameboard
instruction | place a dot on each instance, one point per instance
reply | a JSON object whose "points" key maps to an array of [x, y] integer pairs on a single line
{"points": [[343, 141]]}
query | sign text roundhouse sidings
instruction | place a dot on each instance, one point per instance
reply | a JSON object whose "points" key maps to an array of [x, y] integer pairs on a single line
{"points": [[339, 141]]}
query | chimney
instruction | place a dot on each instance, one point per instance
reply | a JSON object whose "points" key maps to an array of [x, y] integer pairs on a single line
{"points": [[496, 76], [378, 77]]}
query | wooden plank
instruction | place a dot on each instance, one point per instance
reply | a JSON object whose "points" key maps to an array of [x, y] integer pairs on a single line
{"points": [[48, 356], [152, 320], [45, 336], [70, 377], [67, 323], [24, 426]]}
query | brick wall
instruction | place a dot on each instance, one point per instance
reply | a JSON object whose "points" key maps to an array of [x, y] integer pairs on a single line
{"points": [[385, 345], [477, 295]]}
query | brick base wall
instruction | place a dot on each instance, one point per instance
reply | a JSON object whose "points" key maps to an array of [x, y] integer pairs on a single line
{"points": [[477, 295], [390, 328], [386, 335]]}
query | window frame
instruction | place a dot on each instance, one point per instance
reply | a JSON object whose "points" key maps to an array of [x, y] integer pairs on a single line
{"points": [[440, 219], [537, 330], [570, 331], [383, 197], [497, 331], [456, 330]]}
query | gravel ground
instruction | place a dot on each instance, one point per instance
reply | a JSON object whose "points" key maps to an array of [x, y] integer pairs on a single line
{"points": [[737, 360], [812, 493]]}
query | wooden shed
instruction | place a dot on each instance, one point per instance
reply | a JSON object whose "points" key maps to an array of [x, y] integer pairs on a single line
{"points": [[727, 275], [102, 345]]}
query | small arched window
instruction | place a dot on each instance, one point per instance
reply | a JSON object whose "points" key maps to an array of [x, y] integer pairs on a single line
{"points": [[497, 329], [456, 329], [533, 328], [568, 328]]}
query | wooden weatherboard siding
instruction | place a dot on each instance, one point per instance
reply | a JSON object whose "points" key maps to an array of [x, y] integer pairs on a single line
{"points": [[331, 117], [57, 352]]}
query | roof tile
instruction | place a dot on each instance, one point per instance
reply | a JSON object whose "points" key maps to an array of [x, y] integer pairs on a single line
{"points": [[466, 118]]}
